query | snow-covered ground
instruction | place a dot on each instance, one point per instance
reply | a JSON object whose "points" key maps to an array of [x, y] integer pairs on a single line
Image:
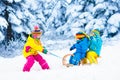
{"points": [[107, 69]]}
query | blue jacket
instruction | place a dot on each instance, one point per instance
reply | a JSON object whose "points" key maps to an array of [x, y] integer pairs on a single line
{"points": [[81, 47], [95, 44]]}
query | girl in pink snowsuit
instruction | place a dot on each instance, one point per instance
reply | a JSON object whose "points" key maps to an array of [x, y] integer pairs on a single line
{"points": [[31, 49]]}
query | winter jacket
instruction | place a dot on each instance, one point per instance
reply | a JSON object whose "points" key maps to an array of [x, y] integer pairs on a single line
{"points": [[95, 44], [81, 47], [32, 46]]}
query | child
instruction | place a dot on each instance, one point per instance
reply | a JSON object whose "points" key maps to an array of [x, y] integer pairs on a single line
{"points": [[81, 46], [95, 46], [31, 48]]}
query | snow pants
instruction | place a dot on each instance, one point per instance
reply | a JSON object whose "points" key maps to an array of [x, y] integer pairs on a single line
{"points": [[30, 61], [92, 57], [75, 59]]}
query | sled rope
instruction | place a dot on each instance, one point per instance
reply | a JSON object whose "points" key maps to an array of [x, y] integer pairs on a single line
{"points": [[55, 55]]}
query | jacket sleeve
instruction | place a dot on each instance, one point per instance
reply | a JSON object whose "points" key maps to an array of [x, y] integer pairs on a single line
{"points": [[73, 47], [38, 47], [99, 46]]}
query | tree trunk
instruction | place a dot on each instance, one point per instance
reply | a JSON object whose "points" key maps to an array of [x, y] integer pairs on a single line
{"points": [[8, 34]]}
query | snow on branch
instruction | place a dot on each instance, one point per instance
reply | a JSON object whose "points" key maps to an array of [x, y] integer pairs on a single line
{"points": [[3, 22]]}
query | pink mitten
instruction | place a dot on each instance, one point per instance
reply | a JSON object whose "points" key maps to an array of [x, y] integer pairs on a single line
{"points": [[28, 48]]}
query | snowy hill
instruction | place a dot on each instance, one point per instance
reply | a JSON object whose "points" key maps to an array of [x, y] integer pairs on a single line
{"points": [[59, 20], [107, 69]]}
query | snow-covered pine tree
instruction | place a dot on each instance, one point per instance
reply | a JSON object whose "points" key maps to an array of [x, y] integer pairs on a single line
{"points": [[59, 19]]}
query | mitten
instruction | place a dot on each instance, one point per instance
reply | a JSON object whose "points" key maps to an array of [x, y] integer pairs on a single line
{"points": [[28, 48], [71, 48], [45, 51]]}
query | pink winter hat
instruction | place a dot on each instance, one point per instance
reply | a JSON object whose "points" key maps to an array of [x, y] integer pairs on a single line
{"points": [[36, 30]]}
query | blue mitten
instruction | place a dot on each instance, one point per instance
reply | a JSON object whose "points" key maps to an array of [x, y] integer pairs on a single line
{"points": [[71, 48]]}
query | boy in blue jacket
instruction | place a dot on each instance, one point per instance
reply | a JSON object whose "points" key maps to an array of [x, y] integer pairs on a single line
{"points": [[81, 47]]}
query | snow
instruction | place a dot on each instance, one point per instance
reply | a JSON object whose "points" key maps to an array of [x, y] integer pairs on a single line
{"points": [[95, 24], [113, 29], [32, 4], [3, 25], [48, 13], [18, 29], [115, 19], [10, 1], [17, 0], [99, 1], [99, 6], [86, 15], [48, 0], [13, 19], [69, 1], [59, 16], [19, 14], [106, 69], [1, 36], [3, 22], [73, 10]]}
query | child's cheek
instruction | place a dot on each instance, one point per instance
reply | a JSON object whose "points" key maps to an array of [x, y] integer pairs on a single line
{"points": [[35, 36]]}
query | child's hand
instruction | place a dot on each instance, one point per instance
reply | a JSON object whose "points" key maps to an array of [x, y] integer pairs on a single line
{"points": [[71, 48], [45, 51], [28, 48]]}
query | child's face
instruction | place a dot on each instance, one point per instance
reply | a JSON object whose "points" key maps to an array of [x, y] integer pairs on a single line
{"points": [[36, 35]]}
